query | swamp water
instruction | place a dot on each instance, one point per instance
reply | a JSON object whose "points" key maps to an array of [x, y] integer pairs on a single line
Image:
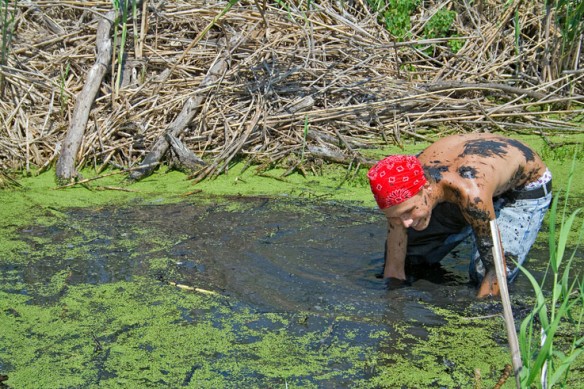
{"points": [[256, 292]]}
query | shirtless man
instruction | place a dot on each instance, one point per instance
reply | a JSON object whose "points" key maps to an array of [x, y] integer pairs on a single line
{"points": [[452, 190]]}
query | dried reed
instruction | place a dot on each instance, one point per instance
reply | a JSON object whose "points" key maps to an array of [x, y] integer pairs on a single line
{"points": [[330, 68]]}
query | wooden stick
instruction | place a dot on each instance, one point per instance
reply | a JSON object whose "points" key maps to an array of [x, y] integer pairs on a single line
{"points": [[500, 268], [193, 289], [190, 109], [66, 163]]}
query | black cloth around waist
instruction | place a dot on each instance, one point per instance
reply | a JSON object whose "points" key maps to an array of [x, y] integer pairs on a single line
{"points": [[530, 194]]}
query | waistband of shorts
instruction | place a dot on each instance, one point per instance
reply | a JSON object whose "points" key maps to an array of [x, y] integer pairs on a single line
{"points": [[535, 193]]}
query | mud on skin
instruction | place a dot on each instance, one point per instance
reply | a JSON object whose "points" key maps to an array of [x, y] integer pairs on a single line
{"points": [[434, 172], [467, 172]]}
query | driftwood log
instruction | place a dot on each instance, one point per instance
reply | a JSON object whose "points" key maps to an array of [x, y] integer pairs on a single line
{"points": [[187, 160], [66, 170], [188, 112]]}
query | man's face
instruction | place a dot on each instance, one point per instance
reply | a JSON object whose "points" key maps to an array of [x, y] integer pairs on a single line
{"points": [[415, 212]]}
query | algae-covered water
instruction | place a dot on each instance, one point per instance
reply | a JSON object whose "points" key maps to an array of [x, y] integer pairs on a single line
{"points": [[277, 288], [269, 292]]}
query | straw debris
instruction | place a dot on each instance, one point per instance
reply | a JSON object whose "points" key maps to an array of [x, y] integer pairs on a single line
{"points": [[272, 84]]}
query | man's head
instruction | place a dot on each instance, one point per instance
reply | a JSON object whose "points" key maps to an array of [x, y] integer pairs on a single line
{"points": [[395, 179]]}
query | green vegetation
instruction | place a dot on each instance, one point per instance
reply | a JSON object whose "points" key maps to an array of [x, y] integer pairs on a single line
{"points": [[569, 17], [7, 29], [426, 362], [146, 334], [396, 16], [439, 26], [542, 358], [122, 14]]}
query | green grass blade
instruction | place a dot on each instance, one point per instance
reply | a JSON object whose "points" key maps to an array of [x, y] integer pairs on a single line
{"points": [[540, 299], [552, 232], [550, 330], [564, 367], [305, 136], [563, 238], [526, 339]]}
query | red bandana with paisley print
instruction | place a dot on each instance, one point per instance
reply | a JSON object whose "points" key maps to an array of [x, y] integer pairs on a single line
{"points": [[395, 179]]}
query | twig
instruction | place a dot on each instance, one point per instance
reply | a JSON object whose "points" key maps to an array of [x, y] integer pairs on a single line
{"points": [[66, 162], [86, 180], [193, 289]]}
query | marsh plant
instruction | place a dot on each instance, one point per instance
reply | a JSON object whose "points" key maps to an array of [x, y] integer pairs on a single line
{"points": [[396, 16], [122, 8], [63, 95], [7, 29], [550, 337], [569, 17]]}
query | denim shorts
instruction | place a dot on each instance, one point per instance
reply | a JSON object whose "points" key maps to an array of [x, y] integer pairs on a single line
{"points": [[519, 221]]}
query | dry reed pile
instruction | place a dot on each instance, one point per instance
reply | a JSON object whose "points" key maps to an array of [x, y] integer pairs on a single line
{"points": [[296, 85]]}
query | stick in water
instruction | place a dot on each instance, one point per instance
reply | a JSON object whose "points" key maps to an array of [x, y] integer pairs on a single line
{"points": [[507, 312]]}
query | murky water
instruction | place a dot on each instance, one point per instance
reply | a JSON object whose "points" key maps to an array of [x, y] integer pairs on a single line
{"points": [[270, 255], [274, 255]]}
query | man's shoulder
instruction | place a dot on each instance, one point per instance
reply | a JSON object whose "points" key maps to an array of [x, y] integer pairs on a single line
{"points": [[461, 189], [455, 149]]}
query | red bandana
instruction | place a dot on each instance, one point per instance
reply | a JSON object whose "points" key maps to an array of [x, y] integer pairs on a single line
{"points": [[395, 179]]}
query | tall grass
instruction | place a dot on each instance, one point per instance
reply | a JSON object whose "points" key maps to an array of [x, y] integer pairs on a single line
{"points": [[569, 16], [304, 137], [122, 8], [7, 29], [541, 354]]}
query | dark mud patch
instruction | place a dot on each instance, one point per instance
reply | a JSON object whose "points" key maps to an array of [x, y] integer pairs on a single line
{"points": [[277, 256]]}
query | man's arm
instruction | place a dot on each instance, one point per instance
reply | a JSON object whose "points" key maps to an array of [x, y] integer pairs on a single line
{"points": [[490, 285], [395, 253], [479, 216]]}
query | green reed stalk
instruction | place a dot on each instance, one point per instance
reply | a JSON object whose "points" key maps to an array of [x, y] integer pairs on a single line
{"points": [[568, 16], [7, 28], [543, 359], [63, 96], [517, 31], [135, 22], [304, 137], [121, 8], [116, 6]]}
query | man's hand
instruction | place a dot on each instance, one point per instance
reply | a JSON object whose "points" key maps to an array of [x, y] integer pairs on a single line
{"points": [[395, 283], [489, 286]]}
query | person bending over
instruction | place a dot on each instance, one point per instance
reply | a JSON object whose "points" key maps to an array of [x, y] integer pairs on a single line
{"points": [[452, 190]]}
